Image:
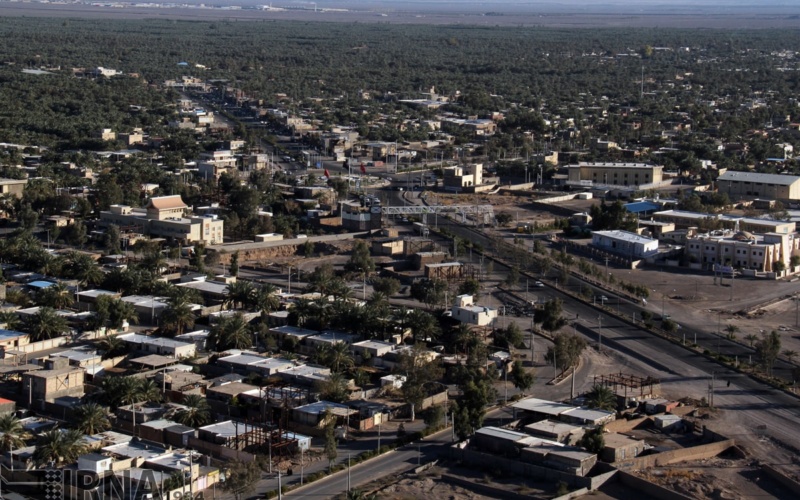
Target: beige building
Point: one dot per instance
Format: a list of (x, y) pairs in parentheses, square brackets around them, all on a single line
[(614, 174), (46, 385), (13, 186), (163, 217), (684, 220), (751, 184), (459, 178), (214, 164), (741, 250)]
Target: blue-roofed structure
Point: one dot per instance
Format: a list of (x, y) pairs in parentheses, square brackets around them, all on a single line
[(642, 207), (40, 284)]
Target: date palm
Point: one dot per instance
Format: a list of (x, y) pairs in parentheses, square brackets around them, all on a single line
[(267, 299), (197, 412), (10, 320), (92, 418), (177, 317), (13, 434), (112, 346), (242, 293), (59, 446), (83, 268), (601, 397), (231, 332), (57, 296), (45, 324)]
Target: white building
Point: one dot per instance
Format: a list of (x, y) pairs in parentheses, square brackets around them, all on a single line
[(625, 243), (466, 311)]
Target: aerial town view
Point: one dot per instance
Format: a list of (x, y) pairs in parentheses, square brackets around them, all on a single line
[(399, 250)]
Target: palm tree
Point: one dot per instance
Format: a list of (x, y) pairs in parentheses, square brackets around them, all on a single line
[(360, 495), (601, 397), (45, 324), (422, 324), (240, 292), (731, 331), (84, 268), (92, 418), (337, 356), (197, 412), (57, 296), (112, 346), (59, 446), (149, 390), (751, 338), (231, 332), (10, 320), (790, 355), (120, 312), (267, 299), (13, 434), (177, 317)]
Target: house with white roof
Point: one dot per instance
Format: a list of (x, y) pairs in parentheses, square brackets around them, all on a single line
[(466, 311)]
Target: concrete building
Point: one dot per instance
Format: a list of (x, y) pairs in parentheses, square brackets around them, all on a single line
[(358, 218), (466, 311), (159, 345), (47, 385), (555, 431), (684, 220), (625, 243), (614, 174), (753, 185), (213, 164), (13, 186), (163, 217), (742, 250), (620, 447), (460, 178)]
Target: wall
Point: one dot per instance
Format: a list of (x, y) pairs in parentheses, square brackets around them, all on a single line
[(257, 251), (518, 468), (785, 481), (43, 344), (652, 490), (675, 456), (218, 451), (484, 489), (623, 425)]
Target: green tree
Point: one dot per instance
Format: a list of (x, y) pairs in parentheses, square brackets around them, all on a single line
[(45, 324), (112, 240), (423, 325), (235, 264), (566, 350), (178, 317), (429, 292), (241, 478), (360, 259), (230, 332), (767, 349), (197, 412), (330, 439), (510, 336), (593, 440), (335, 388), (550, 315), (470, 286), (92, 418), (12, 433), (59, 447), (522, 378), (57, 296), (112, 346), (419, 369), (386, 286), (602, 398)]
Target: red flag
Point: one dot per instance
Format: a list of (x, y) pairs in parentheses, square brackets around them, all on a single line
[(327, 174), (363, 169)]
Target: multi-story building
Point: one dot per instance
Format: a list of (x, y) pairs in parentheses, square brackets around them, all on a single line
[(163, 217), (466, 311), (13, 186), (214, 164), (751, 184), (741, 250), (463, 178), (615, 174)]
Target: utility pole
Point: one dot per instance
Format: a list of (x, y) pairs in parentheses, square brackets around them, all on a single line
[(599, 337), (348, 472)]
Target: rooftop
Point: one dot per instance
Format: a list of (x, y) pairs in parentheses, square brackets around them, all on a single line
[(542, 406), (776, 179), (624, 235)]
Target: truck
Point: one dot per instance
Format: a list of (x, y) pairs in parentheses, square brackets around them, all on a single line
[(420, 228)]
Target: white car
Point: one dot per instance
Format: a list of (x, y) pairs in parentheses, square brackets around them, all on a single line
[(538, 284)]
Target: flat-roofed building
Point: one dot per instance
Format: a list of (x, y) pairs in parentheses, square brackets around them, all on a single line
[(684, 220), (614, 174), (754, 185), (47, 385), (160, 345), (13, 186), (466, 311), (742, 250), (625, 243)]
